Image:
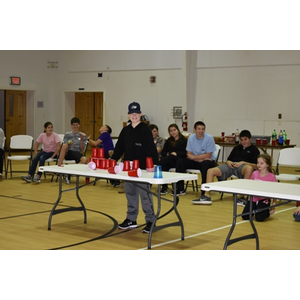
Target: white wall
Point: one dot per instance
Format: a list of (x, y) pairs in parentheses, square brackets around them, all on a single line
[(225, 89)]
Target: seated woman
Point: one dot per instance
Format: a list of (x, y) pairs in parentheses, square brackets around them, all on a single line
[(174, 149)]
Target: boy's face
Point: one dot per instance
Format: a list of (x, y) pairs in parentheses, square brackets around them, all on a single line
[(200, 130), (245, 141), (134, 118), (75, 127)]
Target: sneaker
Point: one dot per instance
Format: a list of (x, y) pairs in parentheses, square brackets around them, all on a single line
[(147, 227), (127, 224), (27, 178), (117, 184), (67, 179), (164, 191), (202, 200), (241, 202), (179, 193), (37, 178)]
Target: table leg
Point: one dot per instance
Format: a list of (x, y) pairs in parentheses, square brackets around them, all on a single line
[(157, 216), (55, 211), (249, 236)]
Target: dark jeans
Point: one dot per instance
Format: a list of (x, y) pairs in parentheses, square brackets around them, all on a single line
[(260, 216), (184, 163), (168, 162), (39, 158)]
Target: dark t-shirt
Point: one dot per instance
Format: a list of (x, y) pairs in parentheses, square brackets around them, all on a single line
[(248, 154)]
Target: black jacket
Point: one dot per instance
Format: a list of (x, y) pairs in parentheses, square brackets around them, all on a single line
[(136, 143)]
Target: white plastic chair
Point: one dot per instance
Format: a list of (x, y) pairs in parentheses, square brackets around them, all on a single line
[(19, 143), (288, 157), (196, 171), (3, 157)]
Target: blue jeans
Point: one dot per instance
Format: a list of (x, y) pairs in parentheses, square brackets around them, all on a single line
[(39, 158)]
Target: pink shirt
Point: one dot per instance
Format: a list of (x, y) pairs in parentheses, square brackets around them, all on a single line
[(49, 142), (256, 176)]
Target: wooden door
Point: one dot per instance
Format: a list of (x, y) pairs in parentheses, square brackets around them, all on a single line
[(88, 108), (15, 114)]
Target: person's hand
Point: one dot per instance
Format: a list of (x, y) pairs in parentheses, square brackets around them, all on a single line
[(297, 211), (88, 137)]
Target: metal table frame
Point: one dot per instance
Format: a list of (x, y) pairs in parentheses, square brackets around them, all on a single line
[(274, 190), (82, 170)]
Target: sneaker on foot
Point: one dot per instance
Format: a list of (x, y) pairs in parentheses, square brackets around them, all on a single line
[(37, 178), (202, 200), (127, 224), (67, 179), (179, 193), (27, 178), (241, 202), (164, 191), (147, 227), (117, 184)]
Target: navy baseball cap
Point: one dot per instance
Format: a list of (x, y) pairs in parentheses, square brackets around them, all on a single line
[(134, 107)]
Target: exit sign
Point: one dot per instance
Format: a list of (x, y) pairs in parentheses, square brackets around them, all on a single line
[(15, 80)]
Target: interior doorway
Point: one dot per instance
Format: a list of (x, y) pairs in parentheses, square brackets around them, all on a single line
[(89, 109), (15, 114)]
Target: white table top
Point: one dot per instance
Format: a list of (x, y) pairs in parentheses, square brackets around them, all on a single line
[(275, 190), (147, 177)]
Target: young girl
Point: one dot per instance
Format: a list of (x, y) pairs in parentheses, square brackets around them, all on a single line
[(263, 172), (51, 146)]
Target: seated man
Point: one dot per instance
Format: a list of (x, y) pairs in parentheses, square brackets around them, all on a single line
[(241, 162), (73, 146), (200, 155)]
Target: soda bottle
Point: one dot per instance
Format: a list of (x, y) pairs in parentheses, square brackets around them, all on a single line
[(237, 136), (280, 138), (284, 137), (274, 135)]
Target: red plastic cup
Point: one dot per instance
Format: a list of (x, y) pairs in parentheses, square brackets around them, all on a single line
[(112, 163), (101, 153), (264, 141), (102, 163), (98, 163), (95, 152), (135, 164), (257, 141), (114, 170), (287, 142), (273, 142), (87, 180), (149, 163), (107, 163), (126, 166), (135, 173), (223, 133)]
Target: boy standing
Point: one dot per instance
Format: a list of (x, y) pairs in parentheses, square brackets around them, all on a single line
[(136, 143)]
